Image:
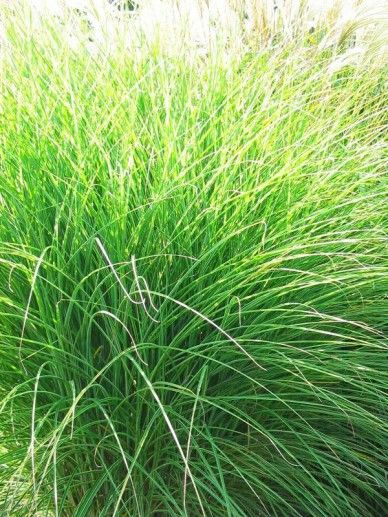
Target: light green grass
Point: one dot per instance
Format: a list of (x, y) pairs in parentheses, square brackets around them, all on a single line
[(193, 282)]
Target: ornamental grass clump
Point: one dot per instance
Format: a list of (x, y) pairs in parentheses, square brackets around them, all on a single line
[(193, 278)]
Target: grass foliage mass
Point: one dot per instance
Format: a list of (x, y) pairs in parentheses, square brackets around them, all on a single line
[(193, 279)]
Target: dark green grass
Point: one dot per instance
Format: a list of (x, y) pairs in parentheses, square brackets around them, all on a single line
[(193, 279)]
